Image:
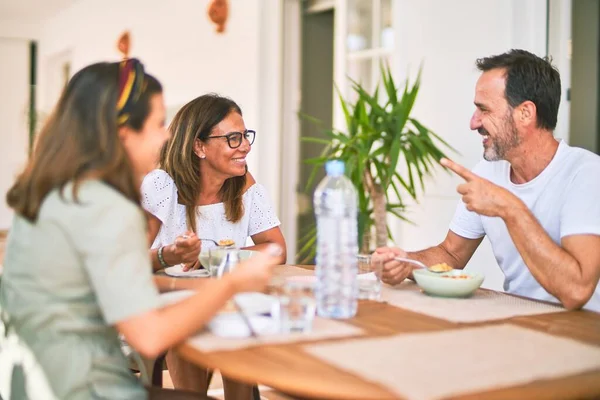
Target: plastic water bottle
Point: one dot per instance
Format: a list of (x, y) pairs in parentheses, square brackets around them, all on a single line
[(335, 202)]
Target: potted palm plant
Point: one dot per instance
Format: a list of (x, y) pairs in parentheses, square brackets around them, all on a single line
[(379, 136)]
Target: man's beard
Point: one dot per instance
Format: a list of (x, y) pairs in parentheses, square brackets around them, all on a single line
[(500, 145)]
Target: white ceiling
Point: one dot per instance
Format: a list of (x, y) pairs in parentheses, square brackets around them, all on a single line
[(31, 10)]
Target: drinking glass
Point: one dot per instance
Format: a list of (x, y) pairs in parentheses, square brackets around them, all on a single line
[(222, 260), (369, 276), (296, 306)]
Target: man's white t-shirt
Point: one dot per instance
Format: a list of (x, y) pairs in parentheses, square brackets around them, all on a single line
[(564, 198)]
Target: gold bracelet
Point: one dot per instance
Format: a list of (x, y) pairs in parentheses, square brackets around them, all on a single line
[(172, 286)]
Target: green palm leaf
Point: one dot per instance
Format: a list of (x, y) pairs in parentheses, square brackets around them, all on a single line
[(380, 136)]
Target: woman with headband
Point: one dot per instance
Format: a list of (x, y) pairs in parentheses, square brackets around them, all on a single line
[(76, 269)]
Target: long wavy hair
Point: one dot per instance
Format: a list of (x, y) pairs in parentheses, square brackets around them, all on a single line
[(81, 140), (195, 121)]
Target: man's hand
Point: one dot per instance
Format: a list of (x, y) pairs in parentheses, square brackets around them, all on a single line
[(480, 195), (393, 272)]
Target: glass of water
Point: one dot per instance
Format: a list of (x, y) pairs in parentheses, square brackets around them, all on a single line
[(296, 306), (222, 260), (369, 276)]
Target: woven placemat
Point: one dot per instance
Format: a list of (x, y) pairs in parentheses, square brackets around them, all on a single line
[(484, 305), (461, 361)]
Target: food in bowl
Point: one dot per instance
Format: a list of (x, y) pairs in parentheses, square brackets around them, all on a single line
[(226, 242), (441, 267)]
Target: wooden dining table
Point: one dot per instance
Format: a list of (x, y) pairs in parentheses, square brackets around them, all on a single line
[(289, 369)]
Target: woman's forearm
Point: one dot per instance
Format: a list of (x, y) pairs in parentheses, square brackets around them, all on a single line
[(156, 331), (169, 284)]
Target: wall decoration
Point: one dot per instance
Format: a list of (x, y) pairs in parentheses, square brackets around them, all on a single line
[(218, 12), (124, 44)]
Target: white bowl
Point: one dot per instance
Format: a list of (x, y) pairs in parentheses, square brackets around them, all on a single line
[(233, 326), (445, 285), (254, 303), (244, 255)]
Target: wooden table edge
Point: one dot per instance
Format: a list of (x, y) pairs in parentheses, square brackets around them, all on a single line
[(296, 388)]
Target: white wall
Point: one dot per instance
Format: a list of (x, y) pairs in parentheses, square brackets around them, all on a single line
[(14, 107), (12, 28), (447, 37), (179, 45)]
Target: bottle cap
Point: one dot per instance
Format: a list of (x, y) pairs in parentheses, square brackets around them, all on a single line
[(335, 168)]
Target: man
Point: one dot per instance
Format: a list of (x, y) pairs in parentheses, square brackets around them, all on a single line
[(537, 199)]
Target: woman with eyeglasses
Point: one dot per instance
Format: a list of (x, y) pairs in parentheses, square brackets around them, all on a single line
[(76, 270), (203, 190)]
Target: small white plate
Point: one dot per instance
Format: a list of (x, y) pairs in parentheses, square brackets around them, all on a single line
[(177, 270), (233, 326)]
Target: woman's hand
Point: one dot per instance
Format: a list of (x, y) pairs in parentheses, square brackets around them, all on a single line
[(185, 250), (254, 274)]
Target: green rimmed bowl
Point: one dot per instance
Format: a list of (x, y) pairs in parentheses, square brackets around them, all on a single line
[(448, 284)]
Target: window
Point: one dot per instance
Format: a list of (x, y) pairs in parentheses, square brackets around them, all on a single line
[(369, 40), (364, 38)]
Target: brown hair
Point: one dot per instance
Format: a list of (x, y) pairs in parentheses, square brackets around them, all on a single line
[(80, 139), (195, 121)]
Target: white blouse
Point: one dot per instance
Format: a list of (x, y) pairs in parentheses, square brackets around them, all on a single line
[(159, 197)]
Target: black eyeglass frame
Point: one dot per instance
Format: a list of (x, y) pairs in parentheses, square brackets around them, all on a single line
[(230, 135)]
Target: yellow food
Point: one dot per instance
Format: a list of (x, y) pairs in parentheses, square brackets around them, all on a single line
[(442, 267), (226, 242)]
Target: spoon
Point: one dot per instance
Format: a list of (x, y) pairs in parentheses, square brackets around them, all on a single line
[(419, 264), (208, 240)]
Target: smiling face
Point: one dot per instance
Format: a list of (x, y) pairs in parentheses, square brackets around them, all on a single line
[(217, 156), (493, 117)]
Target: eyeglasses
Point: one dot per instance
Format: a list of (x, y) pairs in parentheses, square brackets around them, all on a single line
[(234, 139)]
